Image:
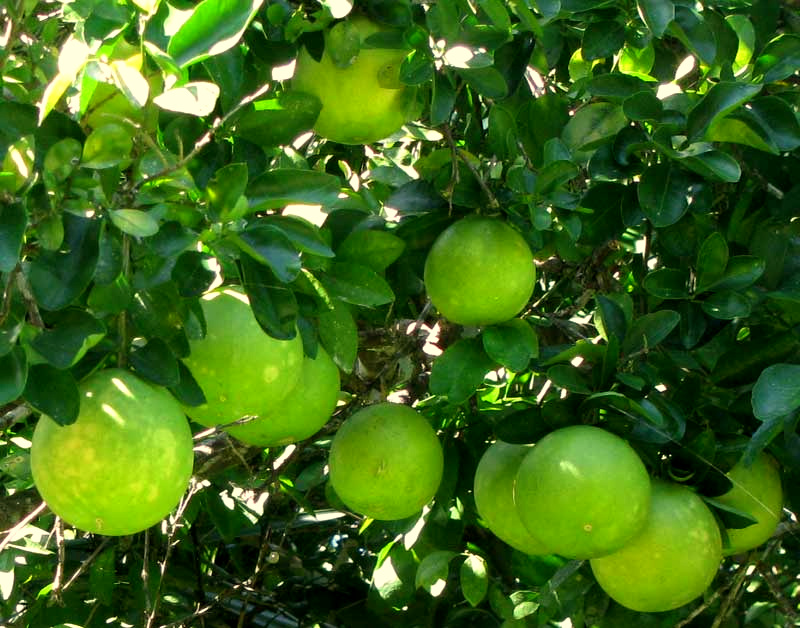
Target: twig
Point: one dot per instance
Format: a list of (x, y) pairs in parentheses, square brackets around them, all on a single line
[(11, 534), (5, 309), (58, 528), (775, 588), (30, 301), (15, 415), (85, 564), (145, 575)]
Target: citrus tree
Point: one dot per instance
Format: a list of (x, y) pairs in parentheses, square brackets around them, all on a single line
[(519, 280)]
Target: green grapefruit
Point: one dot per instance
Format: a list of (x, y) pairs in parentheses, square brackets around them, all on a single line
[(363, 102), (671, 561), (582, 491), (386, 461), (302, 413), (479, 271), (123, 465), (494, 496), (757, 491), (243, 371)]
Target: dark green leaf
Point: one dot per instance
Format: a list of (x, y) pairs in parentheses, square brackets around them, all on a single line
[(339, 335), (10, 329), (715, 165), (156, 362), (433, 569), (657, 14), (690, 28), (188, 392), (779, 59), (727, 305), (711, 261), (374, 249), (512, 344), (278, 121), (276, 188), (76, 332), (555, 174), (593, 124), (213, 27), (720, 100), (780, 121), (269, 245), (225, 188), (273, 303), (13, 375), (486, 81), (59, 277), (110, 298), (742, 271), (192, 273), (134, 222), (644, 105), (611, 318), (602, 39), (569, 378), (776, 392), (103, 577), (302, 234), (53, 392), (443, 99), (460, 370), (668, 283), (474, 579), (13, 220), (357, 284), (649, 330), (663, 194)]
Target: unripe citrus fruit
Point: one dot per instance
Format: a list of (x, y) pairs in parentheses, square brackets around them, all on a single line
[(363, 102), (757, 491), (386, 461), (479, 271), (242, 370), (123, 465), (494, 496), (582, 491), (671, 561), (302, 413)]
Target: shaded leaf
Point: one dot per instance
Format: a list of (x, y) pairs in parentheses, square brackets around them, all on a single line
[(720, 100), (663, 193), (513, 344), (76, 332), (776, 392), (357, 284), (13, 375), (13, 220), (276, 188), (460, 370), (474, 578), (156, 362), (53, 392), (339, 335), (649, 330)]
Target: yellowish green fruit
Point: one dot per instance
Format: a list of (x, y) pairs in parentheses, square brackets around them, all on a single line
[(757, 491), (123, 465), (479, 271), (242, 371), (302, 413), (363, 102), (494, 496), (386, 461), (582, 491), (671, 561)]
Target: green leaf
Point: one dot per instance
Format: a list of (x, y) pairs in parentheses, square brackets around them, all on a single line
[(727, 305), (741, 272), (278, 121), (460, 370), (156, 362), (602, 39), (433, 570), (13, 220), (610, 318), (649, 330), (53, 392), (663, 194), (668, 283), (13, 375), (486, 81), (59, 277), (593, 125), (192, 273), (719, 101), (357, 284), (644, 105), (715, 165), (569, 378), (777, 117), (196, 98), (742, 128), (656, 14), (108, 145), (103, 577), (225, 188), (110, 298), (273, 303), (270, 246), (779, 59), (339, 335), (374, 249), (513, 344), (188, 391), (555, 174), (776, 392), (474, 579), (711, 261), (442, 100), (691, 28), (214, 27), (74, 334), (277, 188), (302, 234), (134, 222)]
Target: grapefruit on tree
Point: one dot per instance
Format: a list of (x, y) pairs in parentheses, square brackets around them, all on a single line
[(125, 462), (479, 271), (242, 371), (671, 561), (494, 496), (362, 98), (386, 461), (582, 491)]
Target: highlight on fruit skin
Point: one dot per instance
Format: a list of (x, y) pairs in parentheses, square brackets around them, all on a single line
[(479, 271), (124, 463), (582, 491), (386, 461), (363, 101), (672, 560)]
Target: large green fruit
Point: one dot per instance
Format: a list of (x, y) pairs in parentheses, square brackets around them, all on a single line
[(671, 561), (386, 461), (123, 465), (582, 491), (756, 490), (304, 410), (479, 271), (363, 102), (242, 371), (494, 496)]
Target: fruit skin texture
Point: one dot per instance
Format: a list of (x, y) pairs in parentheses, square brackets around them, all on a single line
[(304, 410), (671, 561), (479, 271), (756, 490), (386, 461), (362, 103), (242, 370), (494, 496), (123, 465), (582, 491)]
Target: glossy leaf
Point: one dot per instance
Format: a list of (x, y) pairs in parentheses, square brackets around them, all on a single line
[(433, 570), (357, 284), (134, 222), (656, 14), (13, 375), (273, 303), (727, 305), (649, 330), (156, 362), (663, 193), (776, 392), (668, 283), (779, 59), (270, 246), (276, 188), (53, 392), (460, 370), (513, 344), (68, 341), (374, 249), (711, 261), (720, 100)]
